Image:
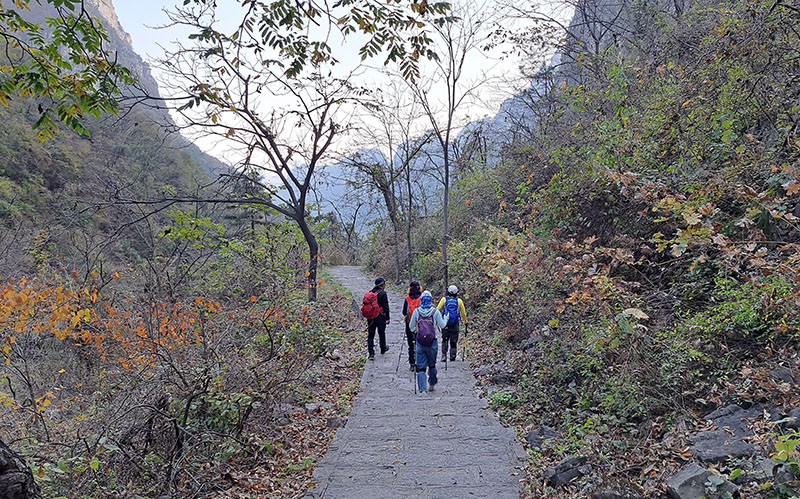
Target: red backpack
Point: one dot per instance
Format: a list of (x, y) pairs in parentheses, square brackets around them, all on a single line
[(369, 306), (413, 303)]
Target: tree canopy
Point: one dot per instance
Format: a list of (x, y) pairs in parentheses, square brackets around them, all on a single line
[(62, 63)]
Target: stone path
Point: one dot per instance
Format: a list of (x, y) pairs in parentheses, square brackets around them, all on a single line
[(398, 444)]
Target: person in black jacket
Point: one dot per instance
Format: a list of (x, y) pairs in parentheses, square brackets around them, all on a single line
[(379, 323), (411, 302)]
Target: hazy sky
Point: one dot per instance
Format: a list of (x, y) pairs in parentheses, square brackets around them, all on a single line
[(138, 17)]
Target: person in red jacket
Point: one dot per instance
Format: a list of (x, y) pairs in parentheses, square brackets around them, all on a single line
[(379, 323), (410, 304)]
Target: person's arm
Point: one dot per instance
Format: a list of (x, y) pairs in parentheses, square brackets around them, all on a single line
[(440, 306), (405, 307), (440, 320), (462, 311), (412, 325), (383, 301)]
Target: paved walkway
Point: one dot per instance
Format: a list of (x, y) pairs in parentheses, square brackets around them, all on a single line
[(444, 445)]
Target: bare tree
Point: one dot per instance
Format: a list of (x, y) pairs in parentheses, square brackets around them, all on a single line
[(459, 41), (269, 87), (387, 165)]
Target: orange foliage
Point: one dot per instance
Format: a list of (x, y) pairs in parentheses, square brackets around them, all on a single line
[(84, 318)]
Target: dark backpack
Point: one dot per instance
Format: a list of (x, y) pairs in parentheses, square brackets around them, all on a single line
[(451, 307), (369, 306), (413, 304), (425, 330)]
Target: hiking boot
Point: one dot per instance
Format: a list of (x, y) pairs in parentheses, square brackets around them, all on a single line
[(384, 350), (444, 358), (431, 388), (453, 358), (412, 368), (371, 356)]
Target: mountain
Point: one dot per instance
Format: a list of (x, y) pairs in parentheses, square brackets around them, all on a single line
[(60, 198)]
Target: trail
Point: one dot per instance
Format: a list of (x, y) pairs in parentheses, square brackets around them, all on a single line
[(398, 444)]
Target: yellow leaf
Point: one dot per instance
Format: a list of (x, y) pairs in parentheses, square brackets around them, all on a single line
[(691, 218)]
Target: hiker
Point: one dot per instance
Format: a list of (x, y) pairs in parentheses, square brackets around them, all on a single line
[(410, 304), (454, 306), (375, 308), (425, 321)]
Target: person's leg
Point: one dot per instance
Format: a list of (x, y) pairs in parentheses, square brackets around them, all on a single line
[(411, 342), (371, 338), (422, 364), (453, 342), (382, 334), (445, 341), (431, 359)]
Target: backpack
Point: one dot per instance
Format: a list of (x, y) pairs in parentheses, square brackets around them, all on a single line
[(451, 307), (369, 306), (425, 330), (412, 303)]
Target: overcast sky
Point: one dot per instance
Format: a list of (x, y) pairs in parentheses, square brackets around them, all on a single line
[(138, 17)]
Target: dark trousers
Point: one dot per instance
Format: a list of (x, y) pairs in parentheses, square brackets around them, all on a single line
[(379, 325), (411, 339), (449, 336)]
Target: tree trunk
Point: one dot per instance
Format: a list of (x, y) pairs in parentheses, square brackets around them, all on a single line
[(446, 235), (16, 479), (313, 258), (409, 254)]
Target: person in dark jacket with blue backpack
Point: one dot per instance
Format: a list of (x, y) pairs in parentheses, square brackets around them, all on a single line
[(454, 306)]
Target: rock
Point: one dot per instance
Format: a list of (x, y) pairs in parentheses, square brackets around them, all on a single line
[(567, 471), (541, 438), (335, 355), (696, 482), (334, 423), (776, 471), (718, 445), (16, 479), (530, 342), (613, 495), (312, 408), (793, 417), (482, 371), (784, 375), (727, 441), (502, 379)]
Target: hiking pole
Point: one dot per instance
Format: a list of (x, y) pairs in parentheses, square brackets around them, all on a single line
[(444, 357), (399, 356), (464, 348)]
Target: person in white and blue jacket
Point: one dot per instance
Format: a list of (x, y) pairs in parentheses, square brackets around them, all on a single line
[(426, 354)]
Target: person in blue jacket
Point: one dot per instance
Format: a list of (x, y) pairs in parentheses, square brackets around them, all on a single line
[(426, 354)]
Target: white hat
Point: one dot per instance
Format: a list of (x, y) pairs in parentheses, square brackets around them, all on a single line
[(452, 290), (427, 293)]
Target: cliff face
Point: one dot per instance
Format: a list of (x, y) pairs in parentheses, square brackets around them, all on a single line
[(105, 8)]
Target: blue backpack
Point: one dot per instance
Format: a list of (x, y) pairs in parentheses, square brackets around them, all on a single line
[(425, 330), (451, 307)]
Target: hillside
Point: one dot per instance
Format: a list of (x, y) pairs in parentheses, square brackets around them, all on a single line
[(628, 250), (634, 263), (61, 190)]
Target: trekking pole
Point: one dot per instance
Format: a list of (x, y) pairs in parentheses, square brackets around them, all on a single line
[(444, 357), (399, 356), (464, 348)]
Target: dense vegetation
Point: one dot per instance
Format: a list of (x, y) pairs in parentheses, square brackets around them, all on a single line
[(630, 264), (152, 349), (634, 262)]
